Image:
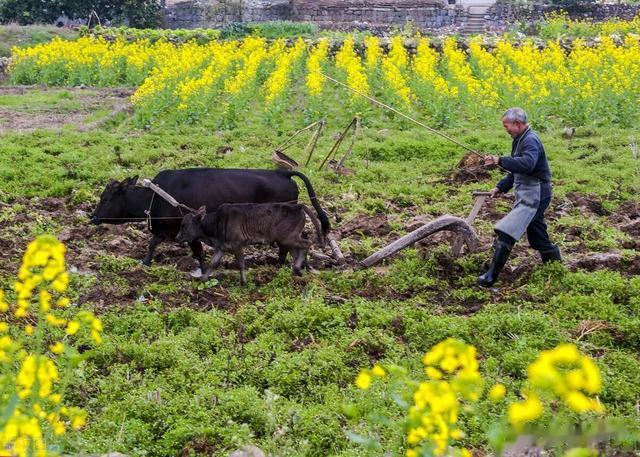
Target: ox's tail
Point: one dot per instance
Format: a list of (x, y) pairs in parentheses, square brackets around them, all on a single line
[(316, 224), (324, 220)]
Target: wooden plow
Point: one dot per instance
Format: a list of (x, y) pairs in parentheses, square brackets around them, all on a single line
[(465, 235), (446, 222)]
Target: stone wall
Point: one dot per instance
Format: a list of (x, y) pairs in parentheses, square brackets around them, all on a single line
[(191, 14), (424, 14), (505, 12), (374, 14)]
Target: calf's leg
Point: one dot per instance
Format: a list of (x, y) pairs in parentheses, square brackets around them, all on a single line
[(215, 261), (198, 253), (240, 261), (282, 254)]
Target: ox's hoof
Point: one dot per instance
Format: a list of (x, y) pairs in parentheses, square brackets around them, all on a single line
[(197, 273)]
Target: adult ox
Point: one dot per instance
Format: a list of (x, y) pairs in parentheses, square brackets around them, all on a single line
[(123, 201), (233, 226)]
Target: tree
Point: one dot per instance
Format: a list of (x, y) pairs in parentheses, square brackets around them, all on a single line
[(136, 13)]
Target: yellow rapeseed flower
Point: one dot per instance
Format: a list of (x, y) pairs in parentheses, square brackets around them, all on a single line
[(497, 392), (521, 413), (57, 348), (73, 327), (363, 381), (378, 371)]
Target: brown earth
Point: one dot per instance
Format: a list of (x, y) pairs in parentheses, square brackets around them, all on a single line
[(87, 244), (13, 119), (469, 169)]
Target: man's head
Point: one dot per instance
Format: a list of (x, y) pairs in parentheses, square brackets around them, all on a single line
[(515, 121)]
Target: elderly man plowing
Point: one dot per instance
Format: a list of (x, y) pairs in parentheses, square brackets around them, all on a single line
[(529, 173)]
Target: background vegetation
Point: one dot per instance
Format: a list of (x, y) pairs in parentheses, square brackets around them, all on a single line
[(136, 13)]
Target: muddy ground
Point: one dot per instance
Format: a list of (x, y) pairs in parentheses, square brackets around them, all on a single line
[(130, 282)]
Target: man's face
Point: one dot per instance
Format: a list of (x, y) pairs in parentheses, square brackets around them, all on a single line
[(514, 128)]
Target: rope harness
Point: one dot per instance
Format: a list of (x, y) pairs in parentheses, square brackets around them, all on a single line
[(148, 212)]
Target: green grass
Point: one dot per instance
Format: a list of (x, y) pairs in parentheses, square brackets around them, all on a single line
[(209, 369), (24, 36), (58, 100)]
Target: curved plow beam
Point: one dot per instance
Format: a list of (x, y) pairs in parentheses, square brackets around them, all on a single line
[(446, 222)]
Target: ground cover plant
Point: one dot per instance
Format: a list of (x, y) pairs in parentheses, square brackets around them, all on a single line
[(204, 368)]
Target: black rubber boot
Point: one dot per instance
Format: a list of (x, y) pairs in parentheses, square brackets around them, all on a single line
[(500, 256), (551, 255)]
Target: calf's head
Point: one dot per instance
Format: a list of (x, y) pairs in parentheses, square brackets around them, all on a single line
[(113, 205), (191, 226)]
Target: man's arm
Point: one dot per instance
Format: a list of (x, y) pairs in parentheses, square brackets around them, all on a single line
[(505, 184), (524, 163)]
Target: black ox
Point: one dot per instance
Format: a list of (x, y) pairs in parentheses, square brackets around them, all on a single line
[(123, 201)]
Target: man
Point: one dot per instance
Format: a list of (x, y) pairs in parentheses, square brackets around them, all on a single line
[(529, 173)]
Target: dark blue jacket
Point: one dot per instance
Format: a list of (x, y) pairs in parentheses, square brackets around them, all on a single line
[(529, 158)]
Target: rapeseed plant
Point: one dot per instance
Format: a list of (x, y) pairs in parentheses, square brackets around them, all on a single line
[(315, 81), (453, 382), (348, 61), (599, 81), (31, 396)]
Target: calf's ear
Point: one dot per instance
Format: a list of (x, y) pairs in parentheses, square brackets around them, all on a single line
[(202, 211)]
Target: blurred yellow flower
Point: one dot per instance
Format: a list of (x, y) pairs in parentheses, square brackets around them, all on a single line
[(497, 392)]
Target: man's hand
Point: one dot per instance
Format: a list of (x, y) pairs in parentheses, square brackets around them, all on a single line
[(495, 192), (490, 161)]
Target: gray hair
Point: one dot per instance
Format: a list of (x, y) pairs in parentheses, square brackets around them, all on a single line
[(515, 115)]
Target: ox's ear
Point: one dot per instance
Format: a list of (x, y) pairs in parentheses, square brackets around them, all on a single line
[(130, 182), (202, 211)]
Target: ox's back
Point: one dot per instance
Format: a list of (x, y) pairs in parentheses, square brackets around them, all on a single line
[(211, 187)]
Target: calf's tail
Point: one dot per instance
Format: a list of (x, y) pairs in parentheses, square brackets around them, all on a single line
[(316, 224), (324, 220)]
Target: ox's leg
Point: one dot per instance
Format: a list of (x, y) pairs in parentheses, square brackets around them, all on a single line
[(240, 261), (155, 241), (215, 261), (198, 254)]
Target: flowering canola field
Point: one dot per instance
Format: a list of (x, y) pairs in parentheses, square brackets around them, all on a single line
[(224, 78)]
